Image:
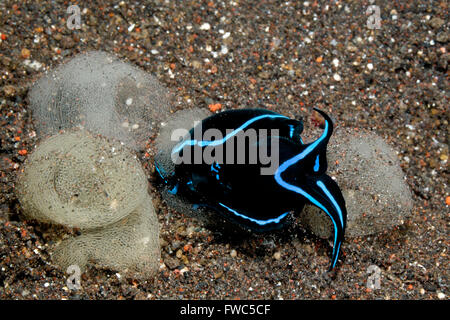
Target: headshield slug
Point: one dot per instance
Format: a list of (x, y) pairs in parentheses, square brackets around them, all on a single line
[(252, 167)]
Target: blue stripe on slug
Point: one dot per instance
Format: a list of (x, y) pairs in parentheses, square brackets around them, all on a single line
[(214, 143), (159, 172), (296, 189), (300, 191), (338, 209), (257, 221), (317, 164), (291, 130), (174, 190)]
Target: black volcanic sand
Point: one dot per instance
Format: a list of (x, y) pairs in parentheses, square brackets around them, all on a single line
[(278, 55)]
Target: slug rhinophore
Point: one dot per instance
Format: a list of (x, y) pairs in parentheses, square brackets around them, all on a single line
[(252, 167)]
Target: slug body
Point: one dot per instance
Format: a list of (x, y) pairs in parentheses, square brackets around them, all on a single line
[(220, 164)]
